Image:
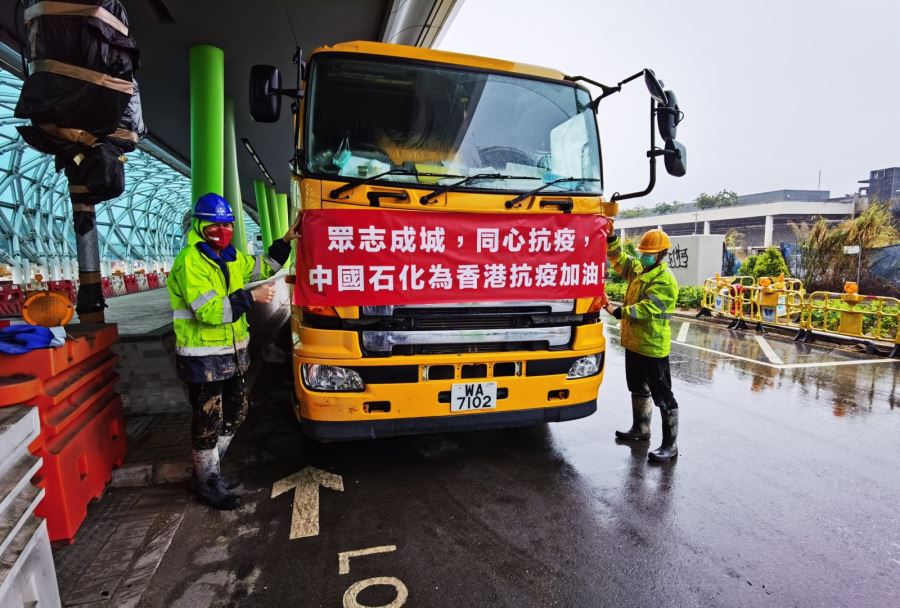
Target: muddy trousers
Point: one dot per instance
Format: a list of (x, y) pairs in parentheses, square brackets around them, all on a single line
[(219, 408), (650, 377)]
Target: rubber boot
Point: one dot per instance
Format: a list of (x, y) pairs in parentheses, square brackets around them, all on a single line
[(669, 449), (208, 484), (230, 483), (641, 411)]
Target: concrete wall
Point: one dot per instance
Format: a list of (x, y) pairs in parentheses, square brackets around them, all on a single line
[(693, 259)]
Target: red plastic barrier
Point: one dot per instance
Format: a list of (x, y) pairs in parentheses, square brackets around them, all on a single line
[(106, 286), (11, 299), (66, 287), (78, 464), (153, 280), (118, 285), (131, 284)]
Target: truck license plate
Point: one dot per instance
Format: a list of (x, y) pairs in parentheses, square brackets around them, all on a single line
[(473, 396)]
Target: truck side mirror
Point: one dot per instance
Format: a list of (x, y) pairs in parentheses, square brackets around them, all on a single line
[(265, 93), (676, 158), (654, 86), (668, 115)]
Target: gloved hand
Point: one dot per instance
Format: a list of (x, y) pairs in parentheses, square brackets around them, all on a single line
[(610, 238), (617, 313)]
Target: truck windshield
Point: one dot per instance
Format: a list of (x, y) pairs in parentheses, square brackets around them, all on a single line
[(370, 116)]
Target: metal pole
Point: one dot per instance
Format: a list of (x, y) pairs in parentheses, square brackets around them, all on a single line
[(282, 200), (262, 207), (274, 218), (207, 64), (232, 180), (89, 303)]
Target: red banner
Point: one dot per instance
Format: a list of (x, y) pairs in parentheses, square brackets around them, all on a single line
[(370, 258)]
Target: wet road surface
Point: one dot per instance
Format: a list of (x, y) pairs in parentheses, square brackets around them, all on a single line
[(785, 493)]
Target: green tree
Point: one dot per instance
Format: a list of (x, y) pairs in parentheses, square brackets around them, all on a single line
[(664, 208), (631, 213), (705, 201), (825, 266), (748, 266), (726, 198), (769, 263), (723, 198)]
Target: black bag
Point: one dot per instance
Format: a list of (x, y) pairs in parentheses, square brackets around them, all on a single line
[(82, 67), (97, 174)]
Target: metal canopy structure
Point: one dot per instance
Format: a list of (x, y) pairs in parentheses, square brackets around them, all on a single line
[(146, 223)]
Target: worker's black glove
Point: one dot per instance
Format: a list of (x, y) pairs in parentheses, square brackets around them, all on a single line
[(611, 238), (617, 313)]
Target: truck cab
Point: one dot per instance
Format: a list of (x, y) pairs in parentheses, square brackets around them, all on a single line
[(411, 130)]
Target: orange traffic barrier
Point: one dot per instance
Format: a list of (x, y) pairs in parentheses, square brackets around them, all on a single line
[(78, 464), (82, 436)]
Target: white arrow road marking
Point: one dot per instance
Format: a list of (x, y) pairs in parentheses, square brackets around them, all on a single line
[(682, 333), (771, 355), (305, 483)]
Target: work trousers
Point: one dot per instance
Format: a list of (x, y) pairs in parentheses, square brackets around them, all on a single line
[(219, 408), (650, 377)]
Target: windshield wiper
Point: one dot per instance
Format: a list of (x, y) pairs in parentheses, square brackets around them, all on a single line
[(425, 200), (513, 202), (412, 172)]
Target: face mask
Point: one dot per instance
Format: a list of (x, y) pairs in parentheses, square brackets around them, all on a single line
[(219, 236), (647, 259)]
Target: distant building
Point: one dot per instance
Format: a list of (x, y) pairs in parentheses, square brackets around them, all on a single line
[(764, 218), (883, 185)]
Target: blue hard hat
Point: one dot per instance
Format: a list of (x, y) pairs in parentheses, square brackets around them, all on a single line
[(213, 208)]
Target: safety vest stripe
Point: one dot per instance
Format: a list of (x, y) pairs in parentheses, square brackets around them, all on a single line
[(257, 262), (275, 266), (206, 351), (182, 314), (632, 312), (227, 313), (203, 299), (664, 315), (629, 262), (657, 301)]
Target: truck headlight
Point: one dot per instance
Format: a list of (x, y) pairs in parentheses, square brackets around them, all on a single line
[(586, 366), (331, 378)]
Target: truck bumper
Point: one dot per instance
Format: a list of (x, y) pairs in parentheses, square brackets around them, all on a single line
[(326, 431)]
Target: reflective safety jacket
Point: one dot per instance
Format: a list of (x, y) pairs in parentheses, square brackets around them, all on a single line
[(208, 309), (649, 303)]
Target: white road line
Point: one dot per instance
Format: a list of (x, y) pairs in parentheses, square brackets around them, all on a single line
[(836, 363), (771, 355), (344, 556), (730, 356), (782, 365), (682, 333)]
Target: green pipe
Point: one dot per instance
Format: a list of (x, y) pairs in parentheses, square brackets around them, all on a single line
[(207, 65), (232, 179), (262, 207), (282, 213), (274, 219)]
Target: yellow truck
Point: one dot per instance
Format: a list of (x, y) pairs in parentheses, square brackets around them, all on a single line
[(404, 128)]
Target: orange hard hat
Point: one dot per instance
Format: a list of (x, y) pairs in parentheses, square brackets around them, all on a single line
[(654, 241)]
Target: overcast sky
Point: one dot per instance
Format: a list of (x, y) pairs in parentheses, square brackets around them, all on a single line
[(773, 90)]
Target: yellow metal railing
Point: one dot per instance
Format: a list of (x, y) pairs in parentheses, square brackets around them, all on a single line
[(783, 302)]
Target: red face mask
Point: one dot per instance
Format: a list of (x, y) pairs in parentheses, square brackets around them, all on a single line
[(219, 236)]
